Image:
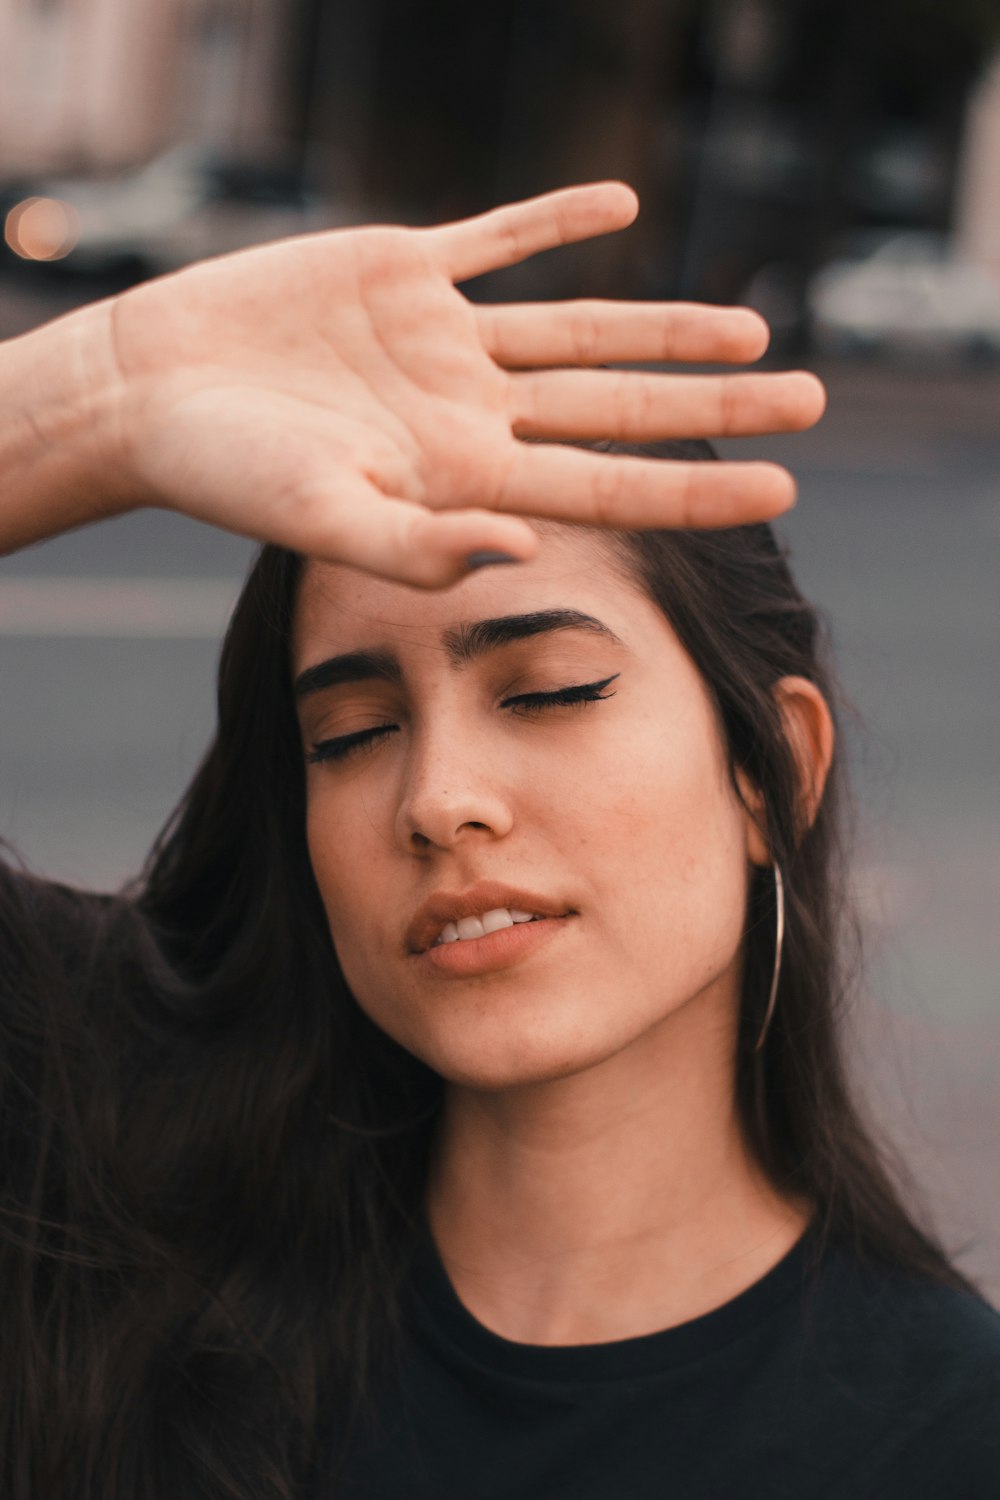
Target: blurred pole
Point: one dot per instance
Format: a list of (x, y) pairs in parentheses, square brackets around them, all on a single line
[(977, 219), (35, 61), (740, 37), (335, 114), (261, 125), (582, 101), (846, 107), (120, 96)]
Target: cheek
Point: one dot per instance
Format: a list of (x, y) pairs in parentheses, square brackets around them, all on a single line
[(341, 854), (356, 869), (667, 834)]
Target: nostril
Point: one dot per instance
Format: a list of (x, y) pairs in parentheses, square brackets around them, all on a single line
[(423, 840)]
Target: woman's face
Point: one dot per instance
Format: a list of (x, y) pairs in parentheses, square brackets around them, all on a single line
[(444, 781)]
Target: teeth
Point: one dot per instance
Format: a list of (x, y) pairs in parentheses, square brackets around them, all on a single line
[(477, 927), (493, 921)]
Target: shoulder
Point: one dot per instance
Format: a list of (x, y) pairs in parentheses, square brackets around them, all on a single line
[(919, 1321), (917, 1366)]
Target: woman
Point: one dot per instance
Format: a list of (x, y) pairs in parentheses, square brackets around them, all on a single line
[(455, 1105)]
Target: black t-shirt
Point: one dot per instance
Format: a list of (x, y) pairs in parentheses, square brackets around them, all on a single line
[(851, 1384)]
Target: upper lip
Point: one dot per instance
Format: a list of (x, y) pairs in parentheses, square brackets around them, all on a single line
[(446, 906)]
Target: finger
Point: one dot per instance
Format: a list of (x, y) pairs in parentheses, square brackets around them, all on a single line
[(570, 484), (510, 234), (398, 540), (593, 332), (640, 408)]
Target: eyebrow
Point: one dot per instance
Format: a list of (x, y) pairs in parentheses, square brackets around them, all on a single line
[(463, 643)]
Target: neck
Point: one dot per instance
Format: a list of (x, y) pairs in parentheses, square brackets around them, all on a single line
[(611, 1203)]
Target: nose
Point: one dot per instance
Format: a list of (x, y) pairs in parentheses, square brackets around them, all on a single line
[(453, 792)]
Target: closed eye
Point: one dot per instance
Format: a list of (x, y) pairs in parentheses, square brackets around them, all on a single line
[(348, 744), (345, 745), (583, 692)]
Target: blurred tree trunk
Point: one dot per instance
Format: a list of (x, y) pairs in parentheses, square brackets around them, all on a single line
[(585, 101), (430, 112)]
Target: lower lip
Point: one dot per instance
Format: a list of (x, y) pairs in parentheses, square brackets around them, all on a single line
[(495, 950)]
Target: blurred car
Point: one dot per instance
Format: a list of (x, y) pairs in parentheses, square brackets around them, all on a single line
[(182, 206), (908, 290)]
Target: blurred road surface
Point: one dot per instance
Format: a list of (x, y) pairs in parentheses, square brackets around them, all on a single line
[(107, 705)]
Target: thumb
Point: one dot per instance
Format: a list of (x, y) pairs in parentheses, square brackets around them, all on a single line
[(407, 543)]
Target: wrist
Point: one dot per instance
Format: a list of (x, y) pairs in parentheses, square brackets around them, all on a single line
[(61, 448)]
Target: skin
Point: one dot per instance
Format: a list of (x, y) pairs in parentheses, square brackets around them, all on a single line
[(590, 1181), (338, 394)]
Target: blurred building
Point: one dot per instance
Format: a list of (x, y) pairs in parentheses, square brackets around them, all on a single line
[(104, 83), (759, 133)]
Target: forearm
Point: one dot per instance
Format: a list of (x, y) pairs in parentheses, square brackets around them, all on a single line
[(58, 389)]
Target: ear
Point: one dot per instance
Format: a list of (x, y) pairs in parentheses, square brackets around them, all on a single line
[(808, 726)]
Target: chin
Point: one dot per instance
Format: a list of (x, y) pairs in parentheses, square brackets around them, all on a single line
[(507, 1056)]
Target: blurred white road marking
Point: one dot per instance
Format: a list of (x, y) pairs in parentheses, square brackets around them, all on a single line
[(147, 608)]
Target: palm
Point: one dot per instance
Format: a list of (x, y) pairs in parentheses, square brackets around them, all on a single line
[(338, 395)]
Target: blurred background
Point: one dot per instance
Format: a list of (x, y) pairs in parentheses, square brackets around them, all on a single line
[(835, 163)]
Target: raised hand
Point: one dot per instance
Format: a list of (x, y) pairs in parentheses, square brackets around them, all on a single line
[(337, 394)]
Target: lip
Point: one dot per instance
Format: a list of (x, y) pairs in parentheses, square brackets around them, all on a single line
[(486, 895), (494, 951)]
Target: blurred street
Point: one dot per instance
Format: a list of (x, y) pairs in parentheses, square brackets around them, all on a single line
[(897, 537), (107, 705)]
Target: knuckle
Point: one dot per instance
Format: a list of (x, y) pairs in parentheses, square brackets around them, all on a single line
[(622, 407), (502, 480), (676, 334), (492, 334), (689, 494), (408, 550), (315, 514), (729, 405), (635, 407), (524, 403), (606, 493), (509, 235), (586, 336), (645, 407)]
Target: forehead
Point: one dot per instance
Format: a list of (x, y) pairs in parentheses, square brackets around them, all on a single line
[(341, 608)]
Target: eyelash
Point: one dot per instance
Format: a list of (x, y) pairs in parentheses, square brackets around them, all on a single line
[(575, 695)]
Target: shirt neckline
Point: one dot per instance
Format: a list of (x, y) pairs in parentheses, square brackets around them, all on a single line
[(441, 1313)]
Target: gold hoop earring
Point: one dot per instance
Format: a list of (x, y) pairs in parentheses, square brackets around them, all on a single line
[(779, 942)]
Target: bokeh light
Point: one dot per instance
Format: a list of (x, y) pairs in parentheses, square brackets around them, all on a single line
[(42, 229)]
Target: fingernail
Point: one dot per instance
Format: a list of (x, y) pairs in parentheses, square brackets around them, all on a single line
[(488, 559)]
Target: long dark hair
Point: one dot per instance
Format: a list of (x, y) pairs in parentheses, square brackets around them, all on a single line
[(214, 1164)]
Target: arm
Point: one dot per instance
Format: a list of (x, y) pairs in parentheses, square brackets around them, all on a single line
[(336, 394), (57, 398)]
